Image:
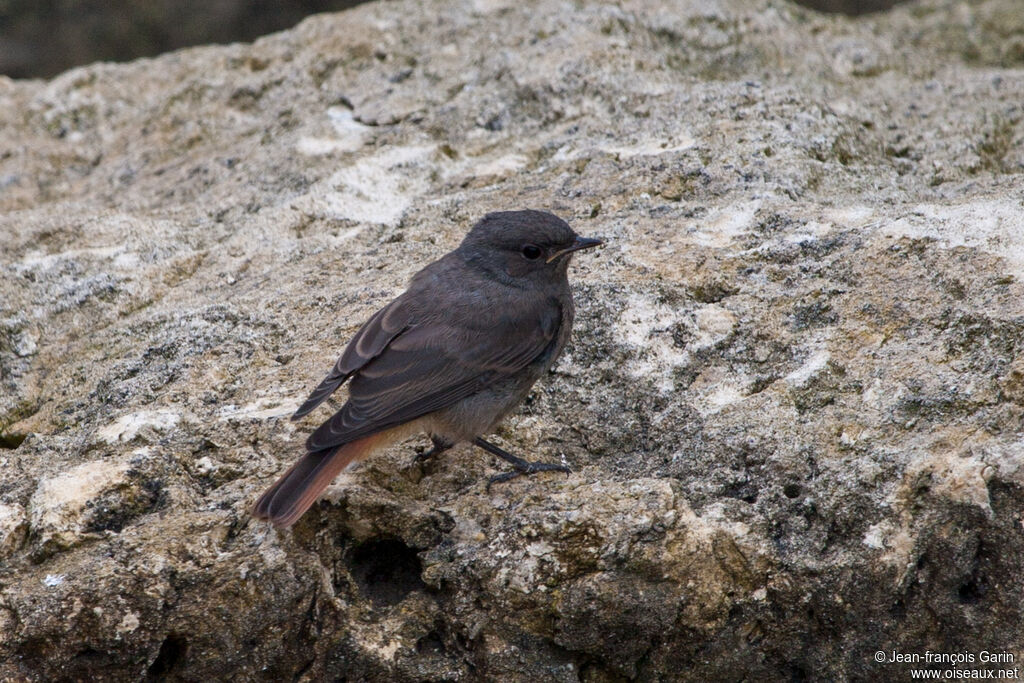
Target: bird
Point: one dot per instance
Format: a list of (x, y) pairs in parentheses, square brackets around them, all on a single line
[(452, 356)]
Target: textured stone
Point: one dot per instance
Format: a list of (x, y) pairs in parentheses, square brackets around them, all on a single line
[(792, 405), (13, 527)]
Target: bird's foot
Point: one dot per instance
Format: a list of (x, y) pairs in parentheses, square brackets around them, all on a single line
[(522, 467), (440, 446), (531, 468), (422, 455)]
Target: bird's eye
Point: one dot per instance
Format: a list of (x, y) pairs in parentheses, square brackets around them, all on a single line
[(531, 252)]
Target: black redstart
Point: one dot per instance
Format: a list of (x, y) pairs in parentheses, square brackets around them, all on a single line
[(452, 356)]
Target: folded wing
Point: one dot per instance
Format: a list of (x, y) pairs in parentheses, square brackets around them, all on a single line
[(371, 339), (429, 366)]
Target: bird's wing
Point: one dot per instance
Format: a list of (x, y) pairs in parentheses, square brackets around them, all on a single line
[(371, 339), (434, 365)]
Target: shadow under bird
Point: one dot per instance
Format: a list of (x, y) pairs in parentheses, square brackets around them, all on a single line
[(452, 356)]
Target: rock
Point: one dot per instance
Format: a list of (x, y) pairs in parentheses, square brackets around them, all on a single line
[(127, 427), (97, 496), (13, 527), (792, 403)]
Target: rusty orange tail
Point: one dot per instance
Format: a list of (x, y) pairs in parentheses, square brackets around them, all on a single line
[(298, 488)]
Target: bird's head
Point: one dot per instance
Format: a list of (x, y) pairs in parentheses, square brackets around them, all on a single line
[(523, 245)]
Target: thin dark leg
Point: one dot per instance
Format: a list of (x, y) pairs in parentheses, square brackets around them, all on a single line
[(521, 466), (440, 446)]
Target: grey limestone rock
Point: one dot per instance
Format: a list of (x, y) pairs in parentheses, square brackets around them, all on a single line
[(793, 402)]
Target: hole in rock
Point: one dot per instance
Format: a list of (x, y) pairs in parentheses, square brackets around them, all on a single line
[(971, 592), (172, 652), (386, 570), (89, 656), (11, 440), (430, 644)]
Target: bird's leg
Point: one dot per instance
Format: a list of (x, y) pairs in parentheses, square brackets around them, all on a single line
[(440, 446), (521, 466)]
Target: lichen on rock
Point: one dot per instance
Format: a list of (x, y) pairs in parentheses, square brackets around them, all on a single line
[(792, 404)]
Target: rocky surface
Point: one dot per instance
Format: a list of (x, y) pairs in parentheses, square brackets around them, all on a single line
[(793, 403)]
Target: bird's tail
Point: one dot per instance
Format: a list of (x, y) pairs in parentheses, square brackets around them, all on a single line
[(298, 488)]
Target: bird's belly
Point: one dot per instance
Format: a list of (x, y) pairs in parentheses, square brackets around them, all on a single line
[(480, 413)]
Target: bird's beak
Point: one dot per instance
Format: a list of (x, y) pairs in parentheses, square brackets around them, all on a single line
[(580, 243)]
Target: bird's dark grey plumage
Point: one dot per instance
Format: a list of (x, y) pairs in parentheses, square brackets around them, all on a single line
[(452, 356)]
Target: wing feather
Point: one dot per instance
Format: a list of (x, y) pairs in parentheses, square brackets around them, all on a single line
[(371, 339), (431, 366)]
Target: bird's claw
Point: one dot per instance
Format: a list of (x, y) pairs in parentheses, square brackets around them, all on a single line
[(527, 469)]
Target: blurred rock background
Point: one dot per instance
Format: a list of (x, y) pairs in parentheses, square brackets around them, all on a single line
[(793, 403), (41, 39)]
